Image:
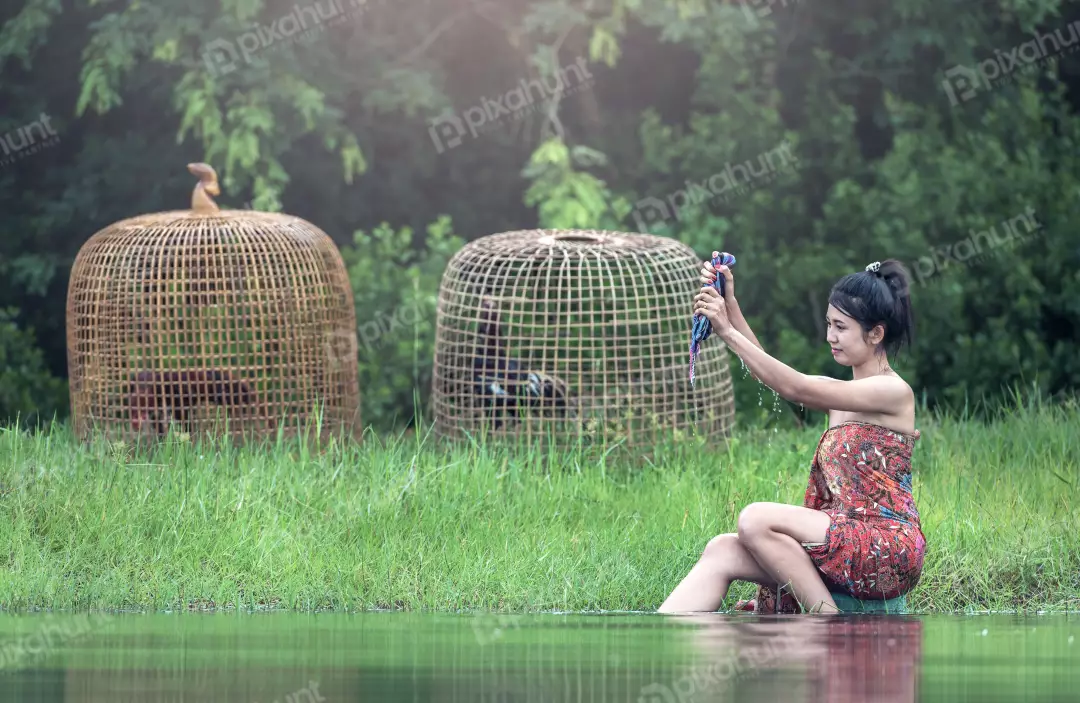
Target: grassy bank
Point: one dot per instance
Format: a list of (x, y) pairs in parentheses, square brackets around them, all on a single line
[(402, 524)]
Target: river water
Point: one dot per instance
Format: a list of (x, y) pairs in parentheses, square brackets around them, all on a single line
[(632, 658)]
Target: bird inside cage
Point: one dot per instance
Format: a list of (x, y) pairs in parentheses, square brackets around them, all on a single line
[(505, 386), (161, 398)]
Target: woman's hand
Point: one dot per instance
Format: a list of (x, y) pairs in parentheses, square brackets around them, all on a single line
[(710, 304), (708, 277)]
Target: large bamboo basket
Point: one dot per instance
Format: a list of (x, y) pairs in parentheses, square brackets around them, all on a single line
[(601, 321), (253, 308)]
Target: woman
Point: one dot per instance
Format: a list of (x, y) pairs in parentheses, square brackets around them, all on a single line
[(858, 530)]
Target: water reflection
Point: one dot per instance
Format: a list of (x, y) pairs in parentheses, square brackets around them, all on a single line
[(792, 658), (632, 659), (832, 660)]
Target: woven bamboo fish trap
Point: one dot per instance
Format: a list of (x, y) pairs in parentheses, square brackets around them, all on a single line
[(575, 334), (233, 322)]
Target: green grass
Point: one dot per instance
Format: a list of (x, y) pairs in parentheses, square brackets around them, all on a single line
[(402, 523)]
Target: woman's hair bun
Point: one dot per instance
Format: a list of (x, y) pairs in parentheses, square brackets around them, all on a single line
[(896, 275)]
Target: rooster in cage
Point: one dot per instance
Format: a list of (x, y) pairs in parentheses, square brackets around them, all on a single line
[(504, 385)]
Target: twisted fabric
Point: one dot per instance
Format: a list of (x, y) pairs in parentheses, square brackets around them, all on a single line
[(700, 325)]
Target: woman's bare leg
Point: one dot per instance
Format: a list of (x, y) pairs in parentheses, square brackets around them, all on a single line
[(704, 588), (773, 533)]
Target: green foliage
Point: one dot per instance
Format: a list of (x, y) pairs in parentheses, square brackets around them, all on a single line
[(27, 390), (567, 198), (395, 281), (336, 128), (25, 32)]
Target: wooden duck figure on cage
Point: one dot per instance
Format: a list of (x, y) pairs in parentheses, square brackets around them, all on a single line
[(207, 186)]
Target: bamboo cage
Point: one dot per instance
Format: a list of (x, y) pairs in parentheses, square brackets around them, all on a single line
[(575, 334), (233, 322)]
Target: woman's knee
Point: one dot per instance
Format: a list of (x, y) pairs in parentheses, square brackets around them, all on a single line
[(720, 546), (753, 524)]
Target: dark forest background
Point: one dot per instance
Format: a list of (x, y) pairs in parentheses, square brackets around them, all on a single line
[(899, 149)]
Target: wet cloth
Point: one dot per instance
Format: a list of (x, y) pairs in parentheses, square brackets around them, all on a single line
[(861, 477), (700, 327)]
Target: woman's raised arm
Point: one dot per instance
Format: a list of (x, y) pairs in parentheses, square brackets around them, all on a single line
[(876, 394)]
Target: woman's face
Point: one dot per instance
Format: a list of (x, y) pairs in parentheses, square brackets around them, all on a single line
[(845, 337)]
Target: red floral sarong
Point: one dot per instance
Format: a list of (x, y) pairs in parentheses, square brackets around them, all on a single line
[(861, 477)]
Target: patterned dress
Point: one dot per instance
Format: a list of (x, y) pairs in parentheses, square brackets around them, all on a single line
[(861, 477)]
